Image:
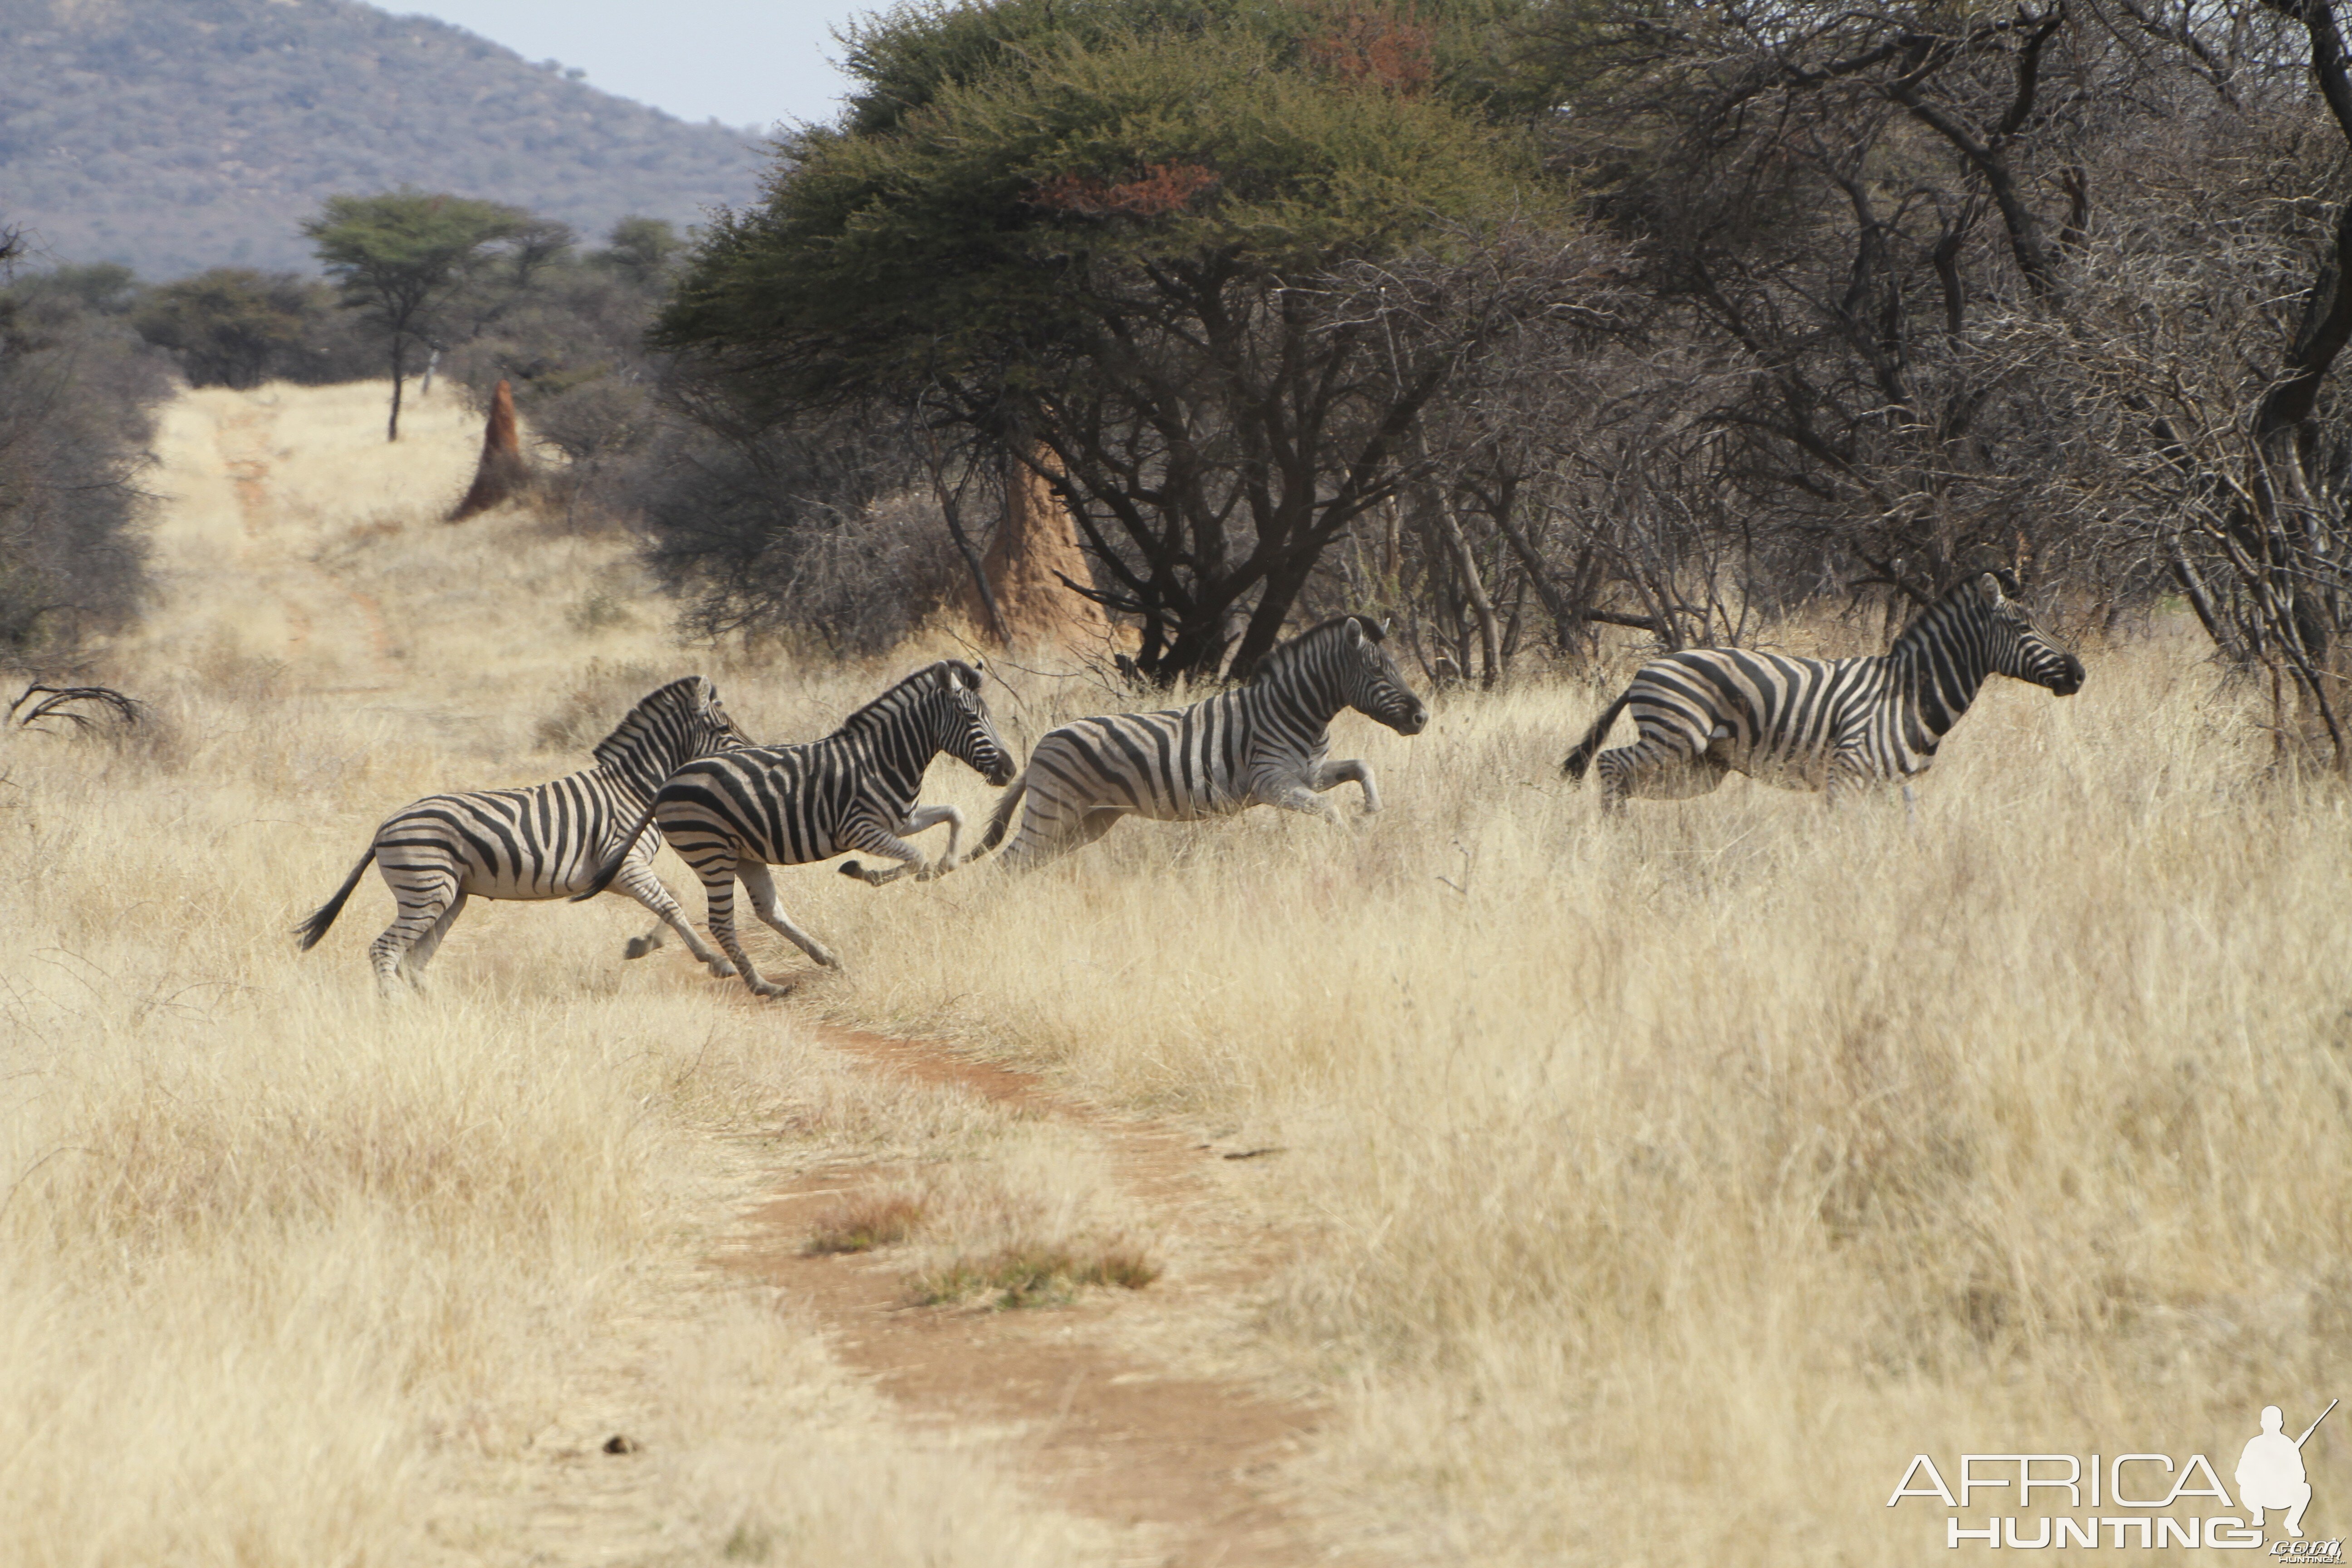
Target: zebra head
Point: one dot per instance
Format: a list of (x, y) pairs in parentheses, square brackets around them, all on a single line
[(1369, 681), (965, 729), (2012, 644), (711, 728)]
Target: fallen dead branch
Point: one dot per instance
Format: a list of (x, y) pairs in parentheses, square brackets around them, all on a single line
[(57, 703)]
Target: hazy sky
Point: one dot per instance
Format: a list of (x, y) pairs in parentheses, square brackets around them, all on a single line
[(743, 62)]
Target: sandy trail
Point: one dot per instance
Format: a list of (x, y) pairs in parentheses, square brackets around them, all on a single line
[(1097, 1421), (255, 483)]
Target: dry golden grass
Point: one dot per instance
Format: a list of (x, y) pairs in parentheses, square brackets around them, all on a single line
[(1725, 1157), (1669, 1181), (288, 1277)]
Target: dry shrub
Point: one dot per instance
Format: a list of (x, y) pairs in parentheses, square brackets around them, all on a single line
[(1033, 1276), (863, 1223)]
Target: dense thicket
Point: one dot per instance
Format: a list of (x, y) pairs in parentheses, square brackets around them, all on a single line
[(175, 135), (1519, 318), (76, 387), (1511, 319)]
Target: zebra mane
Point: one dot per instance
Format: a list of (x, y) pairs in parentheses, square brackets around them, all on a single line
[(682, 696), (1954, 603), (1283, 656), (945, 672)]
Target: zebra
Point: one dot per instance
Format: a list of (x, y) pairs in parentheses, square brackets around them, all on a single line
[(1263, 743), (1827, 724), (539, 842), (735, 815)]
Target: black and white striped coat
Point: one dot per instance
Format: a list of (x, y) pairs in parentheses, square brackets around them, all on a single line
[(1827, 724), (735, 815), (1267, 743), (544, 841)]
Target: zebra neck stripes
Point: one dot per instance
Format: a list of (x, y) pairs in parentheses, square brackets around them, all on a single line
[(1938, 665), (670, 727)]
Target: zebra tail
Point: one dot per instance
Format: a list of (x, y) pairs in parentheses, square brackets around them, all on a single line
[(311, 930), (1581, 758), (612, 868), (1001, 818)]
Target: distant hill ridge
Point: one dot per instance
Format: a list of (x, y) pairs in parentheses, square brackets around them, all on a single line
[(175, 135)]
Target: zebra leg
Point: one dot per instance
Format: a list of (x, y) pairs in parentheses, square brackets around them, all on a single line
[(1028, 851), (909, 858), (1331, 776), (1654, 768), (429, 944), (421, 906), (1051, 828), (924, 818), (1849, 772), (760, 883), (1303, 800), (719, 913), (637, 880)]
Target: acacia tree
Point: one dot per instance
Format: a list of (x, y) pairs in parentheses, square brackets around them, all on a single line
[(1137, 238), (402, 256)]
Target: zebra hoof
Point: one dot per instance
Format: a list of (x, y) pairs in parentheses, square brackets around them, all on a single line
[(854, 869), (637, 948), (722, 971)]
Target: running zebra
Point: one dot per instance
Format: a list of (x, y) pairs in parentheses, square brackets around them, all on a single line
[(739, 813), (1827, 724), (540, 842), (1264, 743)]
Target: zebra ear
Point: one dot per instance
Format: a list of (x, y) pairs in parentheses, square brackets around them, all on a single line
[(1356, 630), (1989, 587)]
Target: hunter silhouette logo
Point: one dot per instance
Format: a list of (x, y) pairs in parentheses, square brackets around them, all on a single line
[(2270, 1472), (2121, 1501)]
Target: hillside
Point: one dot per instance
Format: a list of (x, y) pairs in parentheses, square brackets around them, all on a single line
[(175, 135)]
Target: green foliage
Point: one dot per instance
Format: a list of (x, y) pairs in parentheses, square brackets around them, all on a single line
[(198, 133), (401, 255), (98, 288), (1215, 258), (642, 250), (975, 231), (906, 58), (235, 327), (408, 243)]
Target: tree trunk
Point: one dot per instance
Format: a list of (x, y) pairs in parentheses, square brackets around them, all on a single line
[(399, 373), (1482, 608)]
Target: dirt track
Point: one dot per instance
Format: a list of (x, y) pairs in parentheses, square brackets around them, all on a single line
[(1102, 1429)]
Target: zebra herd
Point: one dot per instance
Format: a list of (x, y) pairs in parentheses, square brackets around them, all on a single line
[(677, 767)]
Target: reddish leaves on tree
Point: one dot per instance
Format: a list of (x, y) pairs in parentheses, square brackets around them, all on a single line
[(1375, 45), (1163, 188)]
